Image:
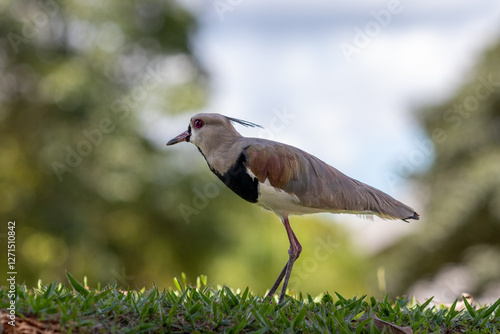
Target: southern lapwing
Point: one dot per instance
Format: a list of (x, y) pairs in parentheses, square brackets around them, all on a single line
[(283, 179)]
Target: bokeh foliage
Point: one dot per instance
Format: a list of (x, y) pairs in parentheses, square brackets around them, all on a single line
[(461, 225), (93, 195), (77, 176)]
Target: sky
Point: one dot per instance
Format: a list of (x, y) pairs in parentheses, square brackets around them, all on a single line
[(342, 80)]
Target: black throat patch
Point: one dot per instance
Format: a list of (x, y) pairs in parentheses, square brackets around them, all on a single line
[(238, 180)]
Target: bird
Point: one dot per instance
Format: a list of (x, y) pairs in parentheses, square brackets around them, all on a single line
[(283, 179)]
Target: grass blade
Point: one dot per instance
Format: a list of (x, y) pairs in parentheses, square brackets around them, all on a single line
[(299, 317), (50, 290), (77, 286), (469, 307), (424, 305), (178, 284), (491, 309)]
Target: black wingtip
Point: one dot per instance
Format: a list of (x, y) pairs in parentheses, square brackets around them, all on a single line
[(415, 216)]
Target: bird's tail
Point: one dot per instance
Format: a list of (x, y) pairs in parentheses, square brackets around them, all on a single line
[(385, 206)]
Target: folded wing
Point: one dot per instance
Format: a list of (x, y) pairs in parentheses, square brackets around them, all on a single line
[(319, 185)]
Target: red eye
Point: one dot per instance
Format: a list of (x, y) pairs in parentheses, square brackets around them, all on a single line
[(198, 123)]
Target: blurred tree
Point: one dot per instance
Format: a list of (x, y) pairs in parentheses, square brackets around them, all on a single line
[(461, 223), (86, 188)]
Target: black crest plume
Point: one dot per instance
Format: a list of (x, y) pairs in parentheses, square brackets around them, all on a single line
[(244, 123)]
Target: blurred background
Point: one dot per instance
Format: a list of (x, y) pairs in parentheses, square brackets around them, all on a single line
[(404, 96)]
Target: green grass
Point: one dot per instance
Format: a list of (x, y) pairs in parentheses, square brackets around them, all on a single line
[(203, 308)]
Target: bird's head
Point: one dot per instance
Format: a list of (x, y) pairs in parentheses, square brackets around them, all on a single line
[(208, 129)]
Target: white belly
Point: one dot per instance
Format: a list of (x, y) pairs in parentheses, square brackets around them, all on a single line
[(281, 202)]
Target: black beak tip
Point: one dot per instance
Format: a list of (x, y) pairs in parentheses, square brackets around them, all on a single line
[(180, 138)]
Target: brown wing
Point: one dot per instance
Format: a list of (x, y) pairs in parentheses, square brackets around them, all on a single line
[(317, 184)]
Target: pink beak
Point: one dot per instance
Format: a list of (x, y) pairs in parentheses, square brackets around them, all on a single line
[(180, 138)]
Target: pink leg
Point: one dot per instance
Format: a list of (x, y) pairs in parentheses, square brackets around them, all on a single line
[(293, 253)]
